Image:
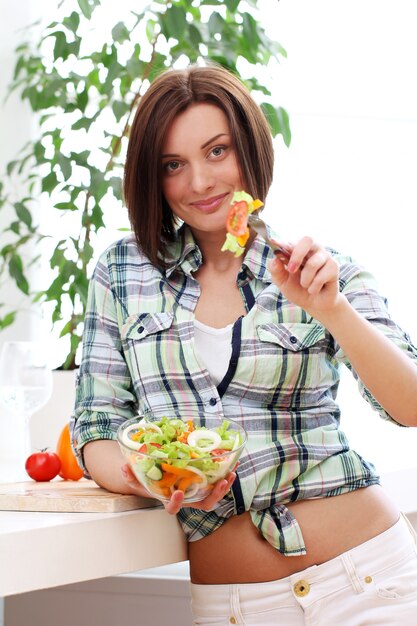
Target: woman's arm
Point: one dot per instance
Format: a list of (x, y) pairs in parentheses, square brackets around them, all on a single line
[(104, 461), (107, 467), (311, 280), (387, 372)]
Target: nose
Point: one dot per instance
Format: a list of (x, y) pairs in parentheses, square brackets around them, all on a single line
[(201, 178)]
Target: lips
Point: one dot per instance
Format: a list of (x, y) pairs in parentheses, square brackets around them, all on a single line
[(208, 205)]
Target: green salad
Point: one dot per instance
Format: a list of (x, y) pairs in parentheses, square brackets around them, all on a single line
[(171, 454)]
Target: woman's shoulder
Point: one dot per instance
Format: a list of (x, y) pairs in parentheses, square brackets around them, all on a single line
[(123, 262), (121, 249)]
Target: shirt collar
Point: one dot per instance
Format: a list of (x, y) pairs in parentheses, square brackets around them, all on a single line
[(183, 253)]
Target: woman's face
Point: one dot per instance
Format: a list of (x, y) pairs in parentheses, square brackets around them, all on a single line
[(200, 171)]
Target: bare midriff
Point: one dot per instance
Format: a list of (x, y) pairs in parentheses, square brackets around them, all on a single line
[(238, 553)]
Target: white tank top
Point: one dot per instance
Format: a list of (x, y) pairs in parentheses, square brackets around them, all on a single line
[(213, 348)]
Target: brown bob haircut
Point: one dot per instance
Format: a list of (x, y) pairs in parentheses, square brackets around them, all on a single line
[(171, 93)]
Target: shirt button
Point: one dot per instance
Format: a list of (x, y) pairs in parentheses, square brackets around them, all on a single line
[(141, 329), (301, 588), (240, 510), (293, 339), (212, 401)]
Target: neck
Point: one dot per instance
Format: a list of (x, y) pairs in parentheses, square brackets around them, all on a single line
[(211, 244)]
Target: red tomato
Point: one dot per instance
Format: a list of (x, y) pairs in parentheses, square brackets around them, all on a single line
[(218, 451), (43, 465), (237, 219), (144, 447)]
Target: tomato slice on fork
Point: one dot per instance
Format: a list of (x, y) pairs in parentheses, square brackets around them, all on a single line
[(237, 219)]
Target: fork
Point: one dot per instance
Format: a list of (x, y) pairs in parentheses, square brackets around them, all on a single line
[(282, 250)]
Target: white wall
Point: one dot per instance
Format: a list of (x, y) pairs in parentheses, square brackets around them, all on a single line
[(349, 177), (15, 130)]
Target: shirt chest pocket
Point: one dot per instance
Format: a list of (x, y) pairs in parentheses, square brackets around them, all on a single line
[(293, 358), (148, 339)]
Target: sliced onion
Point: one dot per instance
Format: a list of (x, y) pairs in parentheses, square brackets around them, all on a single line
[(128, 442), (203, 483), (195, 436), (193, 489), (143, 423), (190, 491)]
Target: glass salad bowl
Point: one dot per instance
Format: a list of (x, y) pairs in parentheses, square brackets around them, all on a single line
[(188, 453)]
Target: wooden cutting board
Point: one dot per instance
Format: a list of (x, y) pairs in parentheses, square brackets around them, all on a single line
[(83, 496)]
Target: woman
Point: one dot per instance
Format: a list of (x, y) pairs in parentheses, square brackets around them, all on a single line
[(302, 532)]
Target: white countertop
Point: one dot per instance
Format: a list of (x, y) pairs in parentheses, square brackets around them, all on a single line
[(42, 550)]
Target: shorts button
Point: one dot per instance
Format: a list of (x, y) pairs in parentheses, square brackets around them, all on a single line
[(368, 579), (301, 588), (232, 620)]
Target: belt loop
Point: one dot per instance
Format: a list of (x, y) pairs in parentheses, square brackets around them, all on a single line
[(410, 527), (351, 572)]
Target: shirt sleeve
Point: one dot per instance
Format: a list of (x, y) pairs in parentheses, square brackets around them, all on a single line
[(360, 288), (104, 392)]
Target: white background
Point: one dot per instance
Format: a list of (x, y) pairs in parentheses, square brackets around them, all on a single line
[(348, 179)]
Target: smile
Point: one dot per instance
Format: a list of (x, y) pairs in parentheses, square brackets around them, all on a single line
[(209, 204)]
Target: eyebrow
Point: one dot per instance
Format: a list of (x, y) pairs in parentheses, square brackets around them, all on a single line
[(204, 145)]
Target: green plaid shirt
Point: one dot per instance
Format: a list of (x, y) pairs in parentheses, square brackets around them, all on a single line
[(281, 385)]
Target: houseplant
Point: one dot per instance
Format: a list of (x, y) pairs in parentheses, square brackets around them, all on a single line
[(84, 90)]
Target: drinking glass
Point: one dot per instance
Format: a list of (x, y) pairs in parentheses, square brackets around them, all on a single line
[(25, 386)]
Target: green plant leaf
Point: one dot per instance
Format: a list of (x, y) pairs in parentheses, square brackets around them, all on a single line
[(195, 35), (215, 24), (65, 206), (120, 33), (120, 108), (10, 167), (232, 5), (58, 257), (278, 120), (83, 122), (60, 48), (87, 7), (23, 214), (97, 217), (65, 165), (82, 100), (16, 272), (72, 22), (174, 22), (116, 186), (8, 319), (49, 183), (159, 64)]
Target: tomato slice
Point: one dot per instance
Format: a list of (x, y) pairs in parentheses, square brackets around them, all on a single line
[(237, 219), (144, 447), (218, 452)]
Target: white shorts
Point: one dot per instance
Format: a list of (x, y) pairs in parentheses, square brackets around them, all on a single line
[(372, 584)]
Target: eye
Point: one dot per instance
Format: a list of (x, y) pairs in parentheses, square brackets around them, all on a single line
[(171, 166), (218, 151)]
